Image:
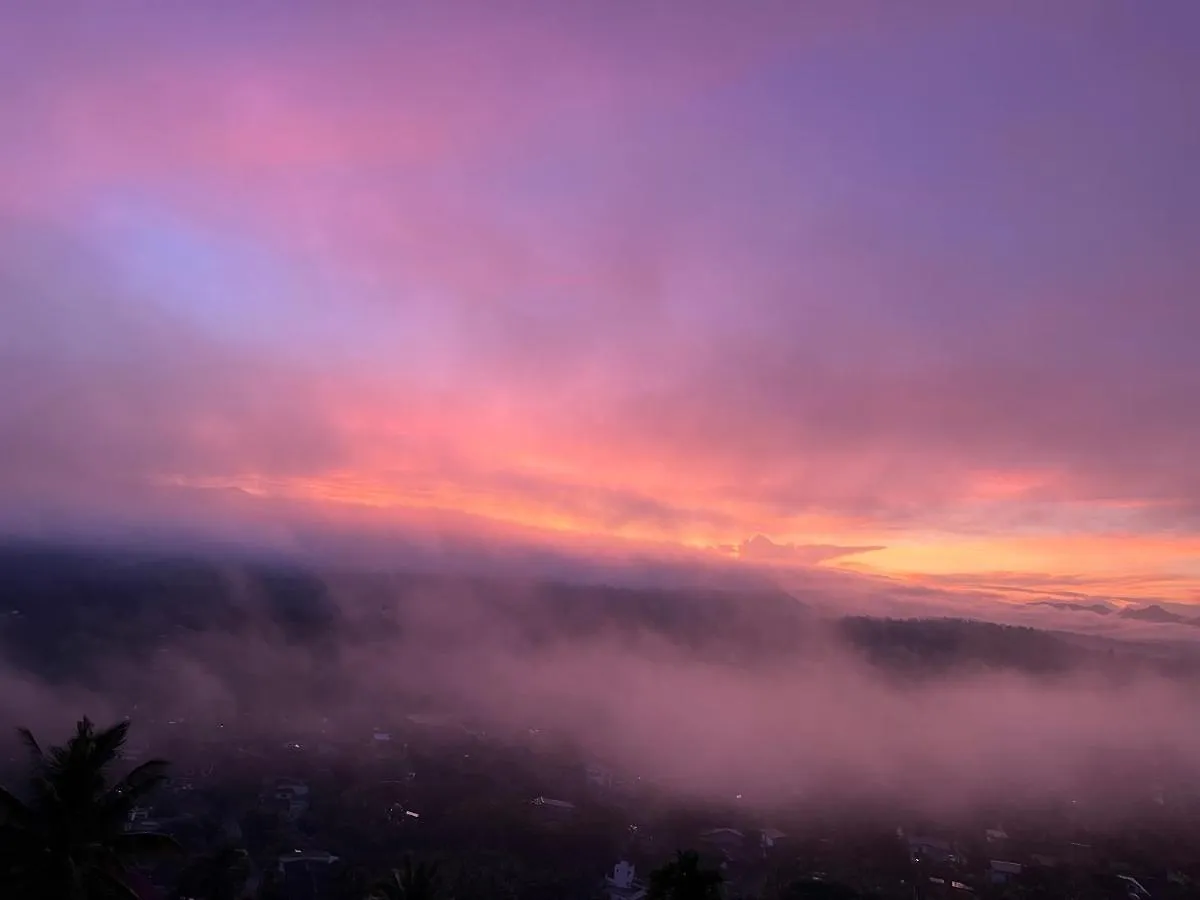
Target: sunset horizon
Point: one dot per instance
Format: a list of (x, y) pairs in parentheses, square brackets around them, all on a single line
[(902, 291)]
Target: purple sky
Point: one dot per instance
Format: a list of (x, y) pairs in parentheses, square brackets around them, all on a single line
[(917, 276)]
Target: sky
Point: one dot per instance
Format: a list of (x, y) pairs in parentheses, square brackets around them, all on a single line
[(908, 290)]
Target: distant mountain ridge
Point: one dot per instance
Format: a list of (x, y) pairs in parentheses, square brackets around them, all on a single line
[(1152, 613), (66, 615), (1155, 613)]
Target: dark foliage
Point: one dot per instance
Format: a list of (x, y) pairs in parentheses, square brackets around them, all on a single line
[(684, 878), (66, 839)]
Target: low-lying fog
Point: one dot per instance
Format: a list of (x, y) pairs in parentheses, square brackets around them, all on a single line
[(706, 696)]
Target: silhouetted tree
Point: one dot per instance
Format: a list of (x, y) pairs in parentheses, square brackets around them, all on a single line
[(818, 890), (350, 882), (270, 885), (487, 876), (684, 879), (67, 837), (412, 881)]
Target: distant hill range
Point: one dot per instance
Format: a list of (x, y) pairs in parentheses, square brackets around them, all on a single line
[(1098, 608), (1151, 613), (64, 612), (1155, 613)]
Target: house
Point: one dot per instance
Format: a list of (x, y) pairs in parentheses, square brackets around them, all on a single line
[(139, 814), (306, 876), (563, 805), (141, 819), (398, 814), (291, 797), (729, 841), (939, 888), (623, 883), (925, 849), (1002, 872), (769, 837), (552, 813)]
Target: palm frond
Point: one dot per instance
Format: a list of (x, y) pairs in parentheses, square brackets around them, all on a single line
[(107, 744), (143, 778), (383, 890), (73, 756), (394, 883), (116, 886), (31, 745), (132, 789), (390, 887)]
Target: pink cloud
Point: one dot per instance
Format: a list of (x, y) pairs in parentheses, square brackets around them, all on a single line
[(630, 271)]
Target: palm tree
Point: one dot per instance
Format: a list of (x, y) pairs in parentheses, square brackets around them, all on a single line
[(409, 882), (68, 840), (486, 876), (683, 879)]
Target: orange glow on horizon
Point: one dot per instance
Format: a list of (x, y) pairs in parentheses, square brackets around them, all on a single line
[(1116, 565)]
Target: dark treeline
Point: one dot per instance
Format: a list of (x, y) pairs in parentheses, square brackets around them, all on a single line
[(64, 613), (73, 827), (70, 831)]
